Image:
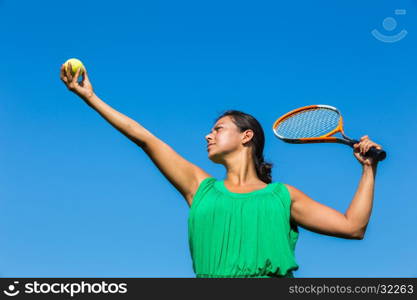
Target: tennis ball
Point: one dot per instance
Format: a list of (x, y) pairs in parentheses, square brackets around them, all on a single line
[(75, 64)]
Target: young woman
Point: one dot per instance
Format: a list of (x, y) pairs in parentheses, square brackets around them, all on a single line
[(245, 225)]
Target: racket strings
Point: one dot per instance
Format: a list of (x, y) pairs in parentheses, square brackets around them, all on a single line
[(309, 123)]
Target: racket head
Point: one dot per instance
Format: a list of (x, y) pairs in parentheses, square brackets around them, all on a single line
[(311, 124), (316, 124)]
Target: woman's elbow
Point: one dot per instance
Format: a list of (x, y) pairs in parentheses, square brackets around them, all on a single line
[(358, 234)]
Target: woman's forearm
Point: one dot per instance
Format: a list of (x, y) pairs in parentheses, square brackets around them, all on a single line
[(360, 208), (129, 127)]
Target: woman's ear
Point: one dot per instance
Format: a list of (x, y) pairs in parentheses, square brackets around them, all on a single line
[(247, 136)]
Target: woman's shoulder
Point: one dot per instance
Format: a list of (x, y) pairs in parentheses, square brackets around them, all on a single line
[(293, 192), (204, 184), (280, 184), (282, 189), (206, 181)]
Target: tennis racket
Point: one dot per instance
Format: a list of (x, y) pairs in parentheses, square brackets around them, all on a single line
[(317, 124)]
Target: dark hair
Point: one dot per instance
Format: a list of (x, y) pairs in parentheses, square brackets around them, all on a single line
[(244, 122)]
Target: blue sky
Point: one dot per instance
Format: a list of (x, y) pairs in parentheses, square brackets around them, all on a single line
[(78, 199)]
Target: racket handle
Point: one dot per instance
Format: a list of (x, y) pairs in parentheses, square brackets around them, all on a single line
[(376, 154), (373, 152)]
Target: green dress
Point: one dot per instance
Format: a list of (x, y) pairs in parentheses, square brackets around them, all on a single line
[(241, 234)]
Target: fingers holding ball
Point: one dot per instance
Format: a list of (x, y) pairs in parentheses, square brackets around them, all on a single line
[(72, 67)]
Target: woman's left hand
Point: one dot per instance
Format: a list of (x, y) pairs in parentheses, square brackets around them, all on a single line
[(361, 148)]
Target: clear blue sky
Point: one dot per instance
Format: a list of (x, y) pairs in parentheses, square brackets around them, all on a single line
[(78, 199)]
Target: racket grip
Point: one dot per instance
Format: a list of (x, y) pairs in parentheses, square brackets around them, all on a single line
[(377, 154), (373, 152)]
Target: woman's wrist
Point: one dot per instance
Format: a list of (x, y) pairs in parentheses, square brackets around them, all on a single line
[(88, 96), (369, 168)]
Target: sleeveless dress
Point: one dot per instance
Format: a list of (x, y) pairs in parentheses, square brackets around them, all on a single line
[(241, 235)]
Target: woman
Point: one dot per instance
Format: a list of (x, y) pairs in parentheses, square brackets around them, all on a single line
[(245, 225)]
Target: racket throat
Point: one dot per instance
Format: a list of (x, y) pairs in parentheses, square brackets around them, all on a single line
[(348, 141)]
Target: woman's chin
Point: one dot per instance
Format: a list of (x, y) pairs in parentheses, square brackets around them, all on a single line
[(215, 158)]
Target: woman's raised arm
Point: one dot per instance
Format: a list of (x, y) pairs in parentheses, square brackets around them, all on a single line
[(185, 176), (320, 218)]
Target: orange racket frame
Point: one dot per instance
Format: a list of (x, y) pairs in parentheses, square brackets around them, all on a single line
[(326, 138)]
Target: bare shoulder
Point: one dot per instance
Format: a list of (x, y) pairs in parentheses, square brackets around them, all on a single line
[(295, 193), (290, 189)]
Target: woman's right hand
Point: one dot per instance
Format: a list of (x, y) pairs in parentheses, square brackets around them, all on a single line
[(84, 89)]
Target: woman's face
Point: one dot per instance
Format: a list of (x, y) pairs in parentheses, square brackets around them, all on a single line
[(224, 138)]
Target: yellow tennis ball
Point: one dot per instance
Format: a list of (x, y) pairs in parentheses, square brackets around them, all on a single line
[(75, 64)]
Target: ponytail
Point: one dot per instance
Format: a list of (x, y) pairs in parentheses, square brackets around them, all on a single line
[(263, 169)]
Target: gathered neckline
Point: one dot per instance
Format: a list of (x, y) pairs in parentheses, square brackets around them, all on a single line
[(260, 191)]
